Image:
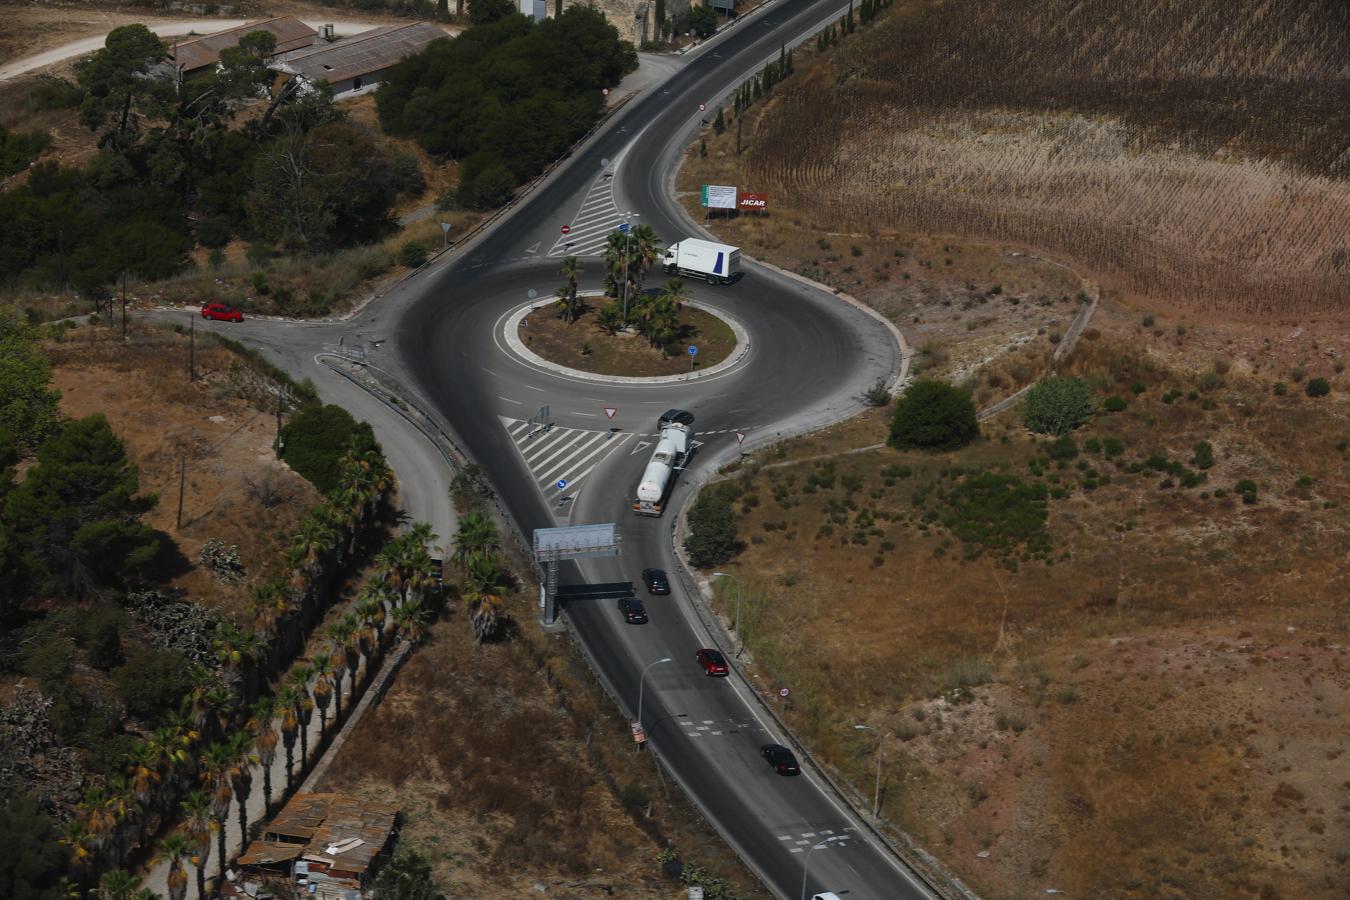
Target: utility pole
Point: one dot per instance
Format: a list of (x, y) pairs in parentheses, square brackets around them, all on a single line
[(124, 304), (192, 349), (738, 132), (277, 444), (182, 479)]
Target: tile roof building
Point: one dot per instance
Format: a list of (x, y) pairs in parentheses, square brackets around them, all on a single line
[(358, 62), (195, 54)]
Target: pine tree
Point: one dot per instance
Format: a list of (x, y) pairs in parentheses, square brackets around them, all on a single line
[(851, 24), (703, 147), (820, 42)]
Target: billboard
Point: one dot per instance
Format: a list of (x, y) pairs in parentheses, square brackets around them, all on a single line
[(750, 201), (717, 196)]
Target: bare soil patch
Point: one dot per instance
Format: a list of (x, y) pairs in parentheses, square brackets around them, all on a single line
[(585, 346), (235, 489), (512, 768)]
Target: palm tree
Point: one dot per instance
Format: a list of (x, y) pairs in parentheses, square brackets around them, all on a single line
[(172, 848), (571, 270), (196, 703), (265, 607), (241, 775), (225, 703), (235, 648), (618, 262), (198, 824), (323, 691), (609, 319), (143, 769), (216, 762), (100, 821), (477, 533), (485, 584), (304, 708), (288, 701), (265, 740), (411, 622), (80, 840), (117, 884), (645, 250), (314, 539), (341, 634)]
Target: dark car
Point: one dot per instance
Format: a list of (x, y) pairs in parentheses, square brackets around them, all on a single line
[(781, 758), (712, 661), (634, 613), (221, 313), (656, 581), (675, 417)]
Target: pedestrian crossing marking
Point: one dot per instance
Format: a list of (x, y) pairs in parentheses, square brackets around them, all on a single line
[(596, 218)]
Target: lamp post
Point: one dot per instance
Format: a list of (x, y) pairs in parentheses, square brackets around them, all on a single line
[(739, 640), (881, 744), (807, 861), (642, 685)]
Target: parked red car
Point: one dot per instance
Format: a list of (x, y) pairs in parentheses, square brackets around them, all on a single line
[(221, 313), (712, 661)]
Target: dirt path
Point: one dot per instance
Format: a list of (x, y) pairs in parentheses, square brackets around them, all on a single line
[(164, 28)]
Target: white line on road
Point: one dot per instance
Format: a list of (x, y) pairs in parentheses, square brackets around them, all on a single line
[(509, 400)]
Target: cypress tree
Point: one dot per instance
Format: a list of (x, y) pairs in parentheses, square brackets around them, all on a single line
[(851, 24), (719, 123)]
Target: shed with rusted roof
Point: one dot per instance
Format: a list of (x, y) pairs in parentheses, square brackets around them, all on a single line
[(359, 62), (196, 54)]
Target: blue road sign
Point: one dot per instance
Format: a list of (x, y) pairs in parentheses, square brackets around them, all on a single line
[(693, 351), (623, 227), (562, 484)]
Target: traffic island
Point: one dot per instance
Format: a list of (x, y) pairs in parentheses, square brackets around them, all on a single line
[(700, 342)]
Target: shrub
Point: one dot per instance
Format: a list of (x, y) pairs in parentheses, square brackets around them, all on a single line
[(259, 253), (998, 513), (1246, 488), (406, 174), (1318, 387), (152, 682), (1058, 405), (1138, 387), (712, 529), (1204, 455), (315, 440), (1280, 389), (260, 285), (933, 415), (214, 232), (412, 254), (1065, 448), (1114, 404), (1092, 445)]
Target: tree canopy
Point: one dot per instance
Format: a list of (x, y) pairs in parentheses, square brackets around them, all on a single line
[(1058, 405), (315, 441), (28, 405), (32, 863), (933, 415), (507, 96)]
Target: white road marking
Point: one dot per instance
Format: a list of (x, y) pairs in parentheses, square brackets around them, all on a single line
[(566, 453), (533, 388), (509, 400)]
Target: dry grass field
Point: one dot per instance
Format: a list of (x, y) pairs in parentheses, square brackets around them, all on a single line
[(1194, 154), (1149, 706)]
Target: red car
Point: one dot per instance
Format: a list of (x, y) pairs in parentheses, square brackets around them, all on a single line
[(221, 313), (712, 661)]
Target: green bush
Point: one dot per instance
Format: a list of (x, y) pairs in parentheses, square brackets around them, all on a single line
[(18, 149), (214, 232), (1246, 488), (1114, 404), (32, 866), (712, 529), (152, 682), (999, 513), (1280, 389), (1064, 447), (412, 254), (1204, 455), (315, 440), (1318, 387), (933, 415), (406, 173), (1058, 405)]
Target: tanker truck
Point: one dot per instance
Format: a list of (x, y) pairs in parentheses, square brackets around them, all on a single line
[(672, 449)]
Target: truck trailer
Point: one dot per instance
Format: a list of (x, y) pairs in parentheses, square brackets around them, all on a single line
[(714, 263), (672, 449)]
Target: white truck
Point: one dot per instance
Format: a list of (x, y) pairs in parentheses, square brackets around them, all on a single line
[(714, 263), (672, 449)]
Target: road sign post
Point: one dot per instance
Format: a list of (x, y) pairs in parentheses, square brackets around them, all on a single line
[(566, 229), (693, 352), (445, 235)]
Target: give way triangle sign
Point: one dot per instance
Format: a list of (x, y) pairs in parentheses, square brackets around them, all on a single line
[(611, 411)]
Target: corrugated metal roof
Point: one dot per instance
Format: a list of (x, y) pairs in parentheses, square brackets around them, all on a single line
[(329, 820), (290, 32), (361, 54), (261, 853)]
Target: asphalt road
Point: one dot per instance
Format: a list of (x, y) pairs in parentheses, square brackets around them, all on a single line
[(811, 356)]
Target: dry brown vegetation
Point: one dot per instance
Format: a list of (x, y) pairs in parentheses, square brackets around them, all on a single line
[(1153, 712), (1192, 153), (236, 491), (512, 769), (584, 345)]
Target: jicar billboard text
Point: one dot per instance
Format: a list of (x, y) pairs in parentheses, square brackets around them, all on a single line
[(720, 196)]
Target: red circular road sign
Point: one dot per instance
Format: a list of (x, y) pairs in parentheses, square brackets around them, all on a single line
[(605, 91), (567, 229), (783, 692), (702, 107)]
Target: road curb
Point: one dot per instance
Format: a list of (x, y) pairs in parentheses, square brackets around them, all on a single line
[(512, 334)]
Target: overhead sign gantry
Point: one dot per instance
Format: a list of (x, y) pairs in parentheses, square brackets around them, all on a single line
[(553, 545)]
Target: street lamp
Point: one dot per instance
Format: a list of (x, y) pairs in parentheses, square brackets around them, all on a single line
[(807, 861), (876, 793), (739, 640), (642, 685), (627, 233)]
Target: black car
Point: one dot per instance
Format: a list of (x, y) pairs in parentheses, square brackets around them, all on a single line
[(675, 417), (781, 758), (656, 581), (634, 613)]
